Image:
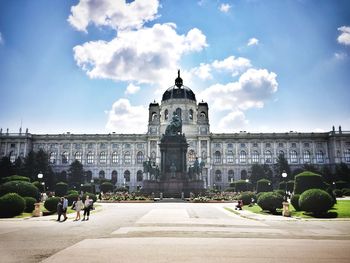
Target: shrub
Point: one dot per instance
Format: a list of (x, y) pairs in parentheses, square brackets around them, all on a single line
[(20, 187), (246, 197), (51, 203), (15, 178), (71, 198), (39, 186), (106, 187), (341, 184), (338, 193), (242, 186), (295, 202), (70, 192), (92, 196), (281, 192), (29, 204), (346, 191), (230, 189), (11, 205), (316, 201), (263, 185), (87, 188), (61, 189), (270, 201), (121, 189), (306, 181)]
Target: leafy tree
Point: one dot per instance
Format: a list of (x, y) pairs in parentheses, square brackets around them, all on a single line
[(327, 174), (30, 166), (6, 167), (76, 173), (19, 166), (282, 166), (260, 172), (342, 172)]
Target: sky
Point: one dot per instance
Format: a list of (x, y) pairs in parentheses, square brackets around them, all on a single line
[(93, 66)]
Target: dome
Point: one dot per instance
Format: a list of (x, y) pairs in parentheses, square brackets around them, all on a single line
[(178, 91)]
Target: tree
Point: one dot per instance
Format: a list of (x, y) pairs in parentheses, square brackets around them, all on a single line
[(6, 167), (19, 166), (311, 168), (342, 172), (30, 166), (260, 172), (282, 166), (76, 173)]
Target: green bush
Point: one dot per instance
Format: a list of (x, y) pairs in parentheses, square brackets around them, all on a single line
[(346, 191), (51, 203), (338, 193), (29, 204), (106, 187), (281, 192), (242, 186), (308, 180), (11, 205), (39, 186), (290, 186), (295, 202), (70, 192), (316, 201), (61, 189), (341, 184), (92, 196), (71, 198), (270, 201), (230, 189), (20, 187), (263, 185), (87, 188), (122, 189), (246, 197), (15, 178)]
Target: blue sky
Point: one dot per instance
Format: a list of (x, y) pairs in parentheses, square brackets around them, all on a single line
[(94, 66)]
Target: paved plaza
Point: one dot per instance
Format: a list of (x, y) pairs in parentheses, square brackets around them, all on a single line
[(174, 232)]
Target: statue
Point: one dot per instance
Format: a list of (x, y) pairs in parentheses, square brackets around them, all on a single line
[(175, 126), (173, 170)]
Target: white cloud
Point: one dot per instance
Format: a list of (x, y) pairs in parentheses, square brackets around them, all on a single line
[(232, 64), (344, 37), (116, 14), (232, 120), (1, 39), (132, 89), (147, 55), (125, 118), (340, 55), (253, 41), (203, 71), (225, 8)]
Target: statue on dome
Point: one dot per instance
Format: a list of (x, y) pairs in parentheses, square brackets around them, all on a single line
[(175, 126)]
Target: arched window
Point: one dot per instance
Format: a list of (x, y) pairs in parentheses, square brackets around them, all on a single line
[(78, 156), (88, 175), (230, 156), (191, 156), (218, 176), (179, 113), (255, 157), (65, 157), (243, 157), (203, 115), (244, 174), (347, 155), (166, 114), (281, 153), (293, 157), (115, 157), (230, 177), (90, 157), (190, 114), (217, 157), (139, 157), (52, 158), (154, 116), (320, 157), (306, 156), (114, 176), (139, 176), (101, 174), (127, 158), (103, 157), (127, 176), (268, 157)]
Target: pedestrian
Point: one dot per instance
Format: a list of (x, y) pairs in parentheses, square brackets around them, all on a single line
[(59, 209), (87, 208), (78, 206), (65, 207)]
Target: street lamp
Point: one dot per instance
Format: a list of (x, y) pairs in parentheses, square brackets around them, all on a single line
[(40, 177), (285, 211), (284, 175)]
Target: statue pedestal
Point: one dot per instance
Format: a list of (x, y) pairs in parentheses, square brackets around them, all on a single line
[(286, 211), (37, 211)]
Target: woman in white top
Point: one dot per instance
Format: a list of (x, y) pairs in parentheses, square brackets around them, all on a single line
[(78, 207), (87, 207)]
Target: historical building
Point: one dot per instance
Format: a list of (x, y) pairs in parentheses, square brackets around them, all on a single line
[(227, 156)]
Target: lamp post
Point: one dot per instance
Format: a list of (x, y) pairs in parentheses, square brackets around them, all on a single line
[(284, 175), (40, 177), (285, 211)]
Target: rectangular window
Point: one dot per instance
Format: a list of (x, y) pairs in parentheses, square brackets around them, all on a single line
[(242, 145), (306, 144), (294, 145), (268, 145), (280, 144), (255, 144)]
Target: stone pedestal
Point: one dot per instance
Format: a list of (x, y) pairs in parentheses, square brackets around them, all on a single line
[(286, 211), (37, 211)]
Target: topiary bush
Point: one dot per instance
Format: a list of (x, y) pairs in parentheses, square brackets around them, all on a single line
[(341, 184), (308, 180), (246, 197), (242, 186), (39, 186), (316, 201), (106, 187), (338, 193), (87, 188), (15, 178), (346, 191), (92, 196), (122, 189), (71, 198), (230, 189), (51, 203), (295, 201), (263, 185), (270, 201), (29, 204), (20, 187), (61, 189), (70, 192), (11, 205)]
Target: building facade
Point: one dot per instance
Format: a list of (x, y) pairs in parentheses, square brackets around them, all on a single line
[(227, 156)]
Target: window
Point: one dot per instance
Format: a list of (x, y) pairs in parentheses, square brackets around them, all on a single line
[(255, 157), (66, 146), (242, 157), (179, 113), (90, 158), (306, 157), (115, 157), (103, 157), (127, 158), (230, 176), (217, 145), (139, 157), (293, 157), (114, 176), (127, 176), (217, 157), (230, 157), (306, 145), (281, 153), (242, 145), (268, 145), (190, 115), (166, 114), (268, 157), (203, 115), (191, 156), (90, 145), (319, 157), (78, 156), (218, 176), (255, 144), (101, 174), (230, 145), (13, 145), (52, 158), (65, 157), (280, 144), (347, 155), (294, 144), (139, 176), (103, 145)]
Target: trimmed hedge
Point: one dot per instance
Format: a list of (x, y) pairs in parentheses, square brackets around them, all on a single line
[(290, 186), (346, 191), (341, 184), (87, 188), (92, 196), (308, 180), (20, 187), (263, 185), (38, 185), (15, 178), (51, 203), (246, 197), (316, 201), (122, 189), (270, 201), (61, 189), (29, 204), (242, 186), (11, 205), (70, 192), (106, 187), (71, 198), (338, 193), (230, 189), (295, 202)]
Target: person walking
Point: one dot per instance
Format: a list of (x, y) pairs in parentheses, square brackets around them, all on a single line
[(65, 207), (87, 208), (59, 209), (78, 206)]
